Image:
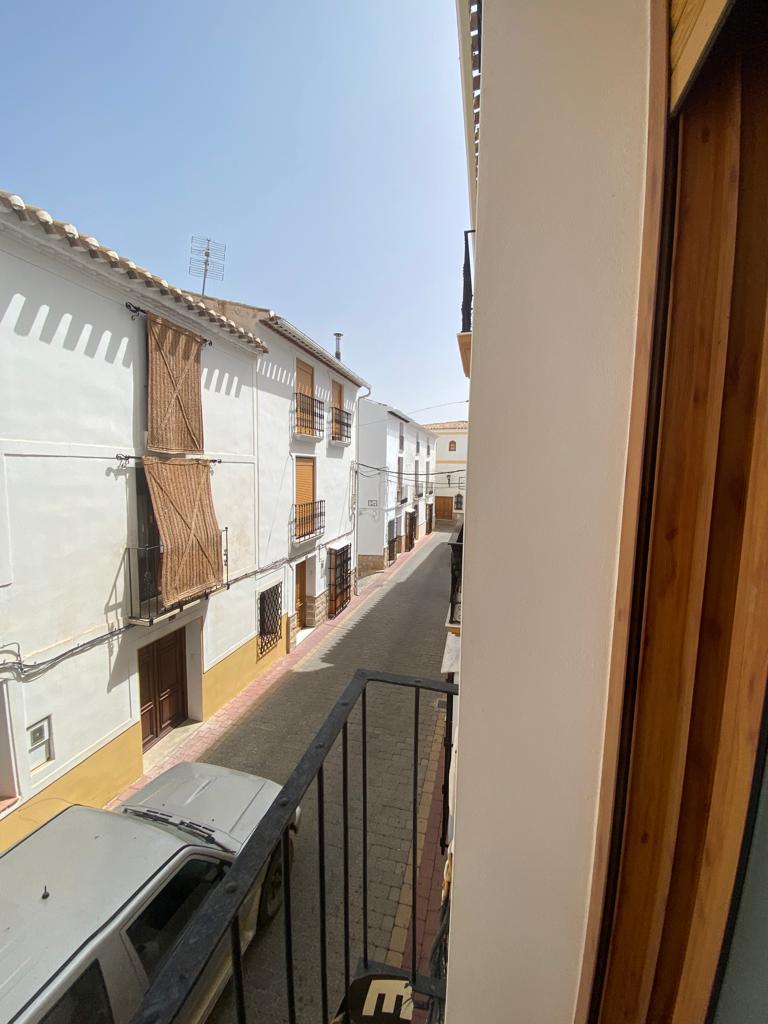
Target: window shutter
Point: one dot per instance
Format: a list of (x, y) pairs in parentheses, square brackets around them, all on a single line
[(174, 409), (181, 495)]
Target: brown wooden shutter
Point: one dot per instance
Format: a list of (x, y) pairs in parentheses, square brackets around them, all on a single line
[(305, 378), (175, 414), (338, 395), (305, 481), (181, 497)]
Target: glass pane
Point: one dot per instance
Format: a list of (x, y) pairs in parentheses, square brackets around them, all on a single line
[(160, 923), (86, 1001)]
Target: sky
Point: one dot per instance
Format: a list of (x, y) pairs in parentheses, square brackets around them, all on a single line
[(321, 140)]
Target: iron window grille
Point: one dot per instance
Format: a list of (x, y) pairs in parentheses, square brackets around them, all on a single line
[(410, 530), (458, 502), (341, 425), (340, 571), (430, 519), (310, 415), (270, 618), (391, 541), (308, 520)]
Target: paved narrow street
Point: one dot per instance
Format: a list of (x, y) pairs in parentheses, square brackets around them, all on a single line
[(399, 628)]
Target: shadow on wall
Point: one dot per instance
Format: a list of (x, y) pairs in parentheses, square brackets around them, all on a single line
[(221, 371), (45, 318)]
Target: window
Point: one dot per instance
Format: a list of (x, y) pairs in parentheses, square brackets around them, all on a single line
[(400, 490), (451, 446), (418, 445), (270, 618), (416, 480), (402, 437), (39, 743), (157, 927), (86, 1002), (340, 572), (458, 502)]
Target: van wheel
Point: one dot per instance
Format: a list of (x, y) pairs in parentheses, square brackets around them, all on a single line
[(272, 890)]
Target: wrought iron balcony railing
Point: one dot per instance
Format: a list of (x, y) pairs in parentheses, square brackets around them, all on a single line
[(312, 782), (144, 565), (467, 297), (310, 415), (341, 425), (457, 558), (308, 520)]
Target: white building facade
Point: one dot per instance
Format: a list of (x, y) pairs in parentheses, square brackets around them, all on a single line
[(396, 465), (450, 467), (102, 652)]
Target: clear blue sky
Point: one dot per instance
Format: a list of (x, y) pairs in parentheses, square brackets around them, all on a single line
[(320, 139)]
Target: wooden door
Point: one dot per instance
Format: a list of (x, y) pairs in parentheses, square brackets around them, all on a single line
[(301, 595), (337, 395), (444, 507), (162, 686)]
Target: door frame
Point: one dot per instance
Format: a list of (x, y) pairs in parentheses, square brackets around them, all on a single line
[(182, 643), (698, 841), (300, 571)]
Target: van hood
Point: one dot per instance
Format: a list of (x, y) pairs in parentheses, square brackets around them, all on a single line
[(225, 804)]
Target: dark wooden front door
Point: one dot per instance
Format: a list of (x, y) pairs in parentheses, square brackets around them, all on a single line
[(301, 595), (162, 686)]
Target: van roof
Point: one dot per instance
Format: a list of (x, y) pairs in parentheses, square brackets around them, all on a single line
[(90, 863)]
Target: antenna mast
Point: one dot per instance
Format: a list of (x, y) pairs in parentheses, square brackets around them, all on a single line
[(206, 259)]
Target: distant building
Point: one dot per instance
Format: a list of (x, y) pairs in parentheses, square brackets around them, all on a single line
[(396, 464), (450, 467)]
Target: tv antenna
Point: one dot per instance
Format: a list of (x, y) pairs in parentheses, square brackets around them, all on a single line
[(206, 259)]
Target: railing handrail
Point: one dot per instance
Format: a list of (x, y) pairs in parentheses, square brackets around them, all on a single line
[(177, 977), (154, 601)]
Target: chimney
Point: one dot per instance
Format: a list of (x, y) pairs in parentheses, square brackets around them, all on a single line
[(338, 336)]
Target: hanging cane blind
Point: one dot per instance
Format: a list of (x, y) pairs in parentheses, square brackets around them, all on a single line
[(174, 405), (191, 562)]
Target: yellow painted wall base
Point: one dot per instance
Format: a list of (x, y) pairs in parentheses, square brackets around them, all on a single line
[(93, 782), (232, 674)]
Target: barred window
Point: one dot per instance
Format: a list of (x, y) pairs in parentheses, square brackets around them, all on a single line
[(270, 617), (458, 502), (340, 572)]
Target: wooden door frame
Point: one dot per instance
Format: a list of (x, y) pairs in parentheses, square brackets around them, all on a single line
[(301, 565), (732, 758)]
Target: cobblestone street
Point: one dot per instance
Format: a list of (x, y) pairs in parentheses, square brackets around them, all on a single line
[(398, 628)]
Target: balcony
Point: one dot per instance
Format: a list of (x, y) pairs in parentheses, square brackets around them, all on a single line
[(309, 416), (457, 558), (308, 520), (325, 952), (341, 426), (465, 335), (144, 565)]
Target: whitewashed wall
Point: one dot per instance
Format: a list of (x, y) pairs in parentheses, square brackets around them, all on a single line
[(379, 432), (556, 288), (72, 395)]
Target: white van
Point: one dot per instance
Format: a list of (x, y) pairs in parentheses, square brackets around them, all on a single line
[(92, 902)]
